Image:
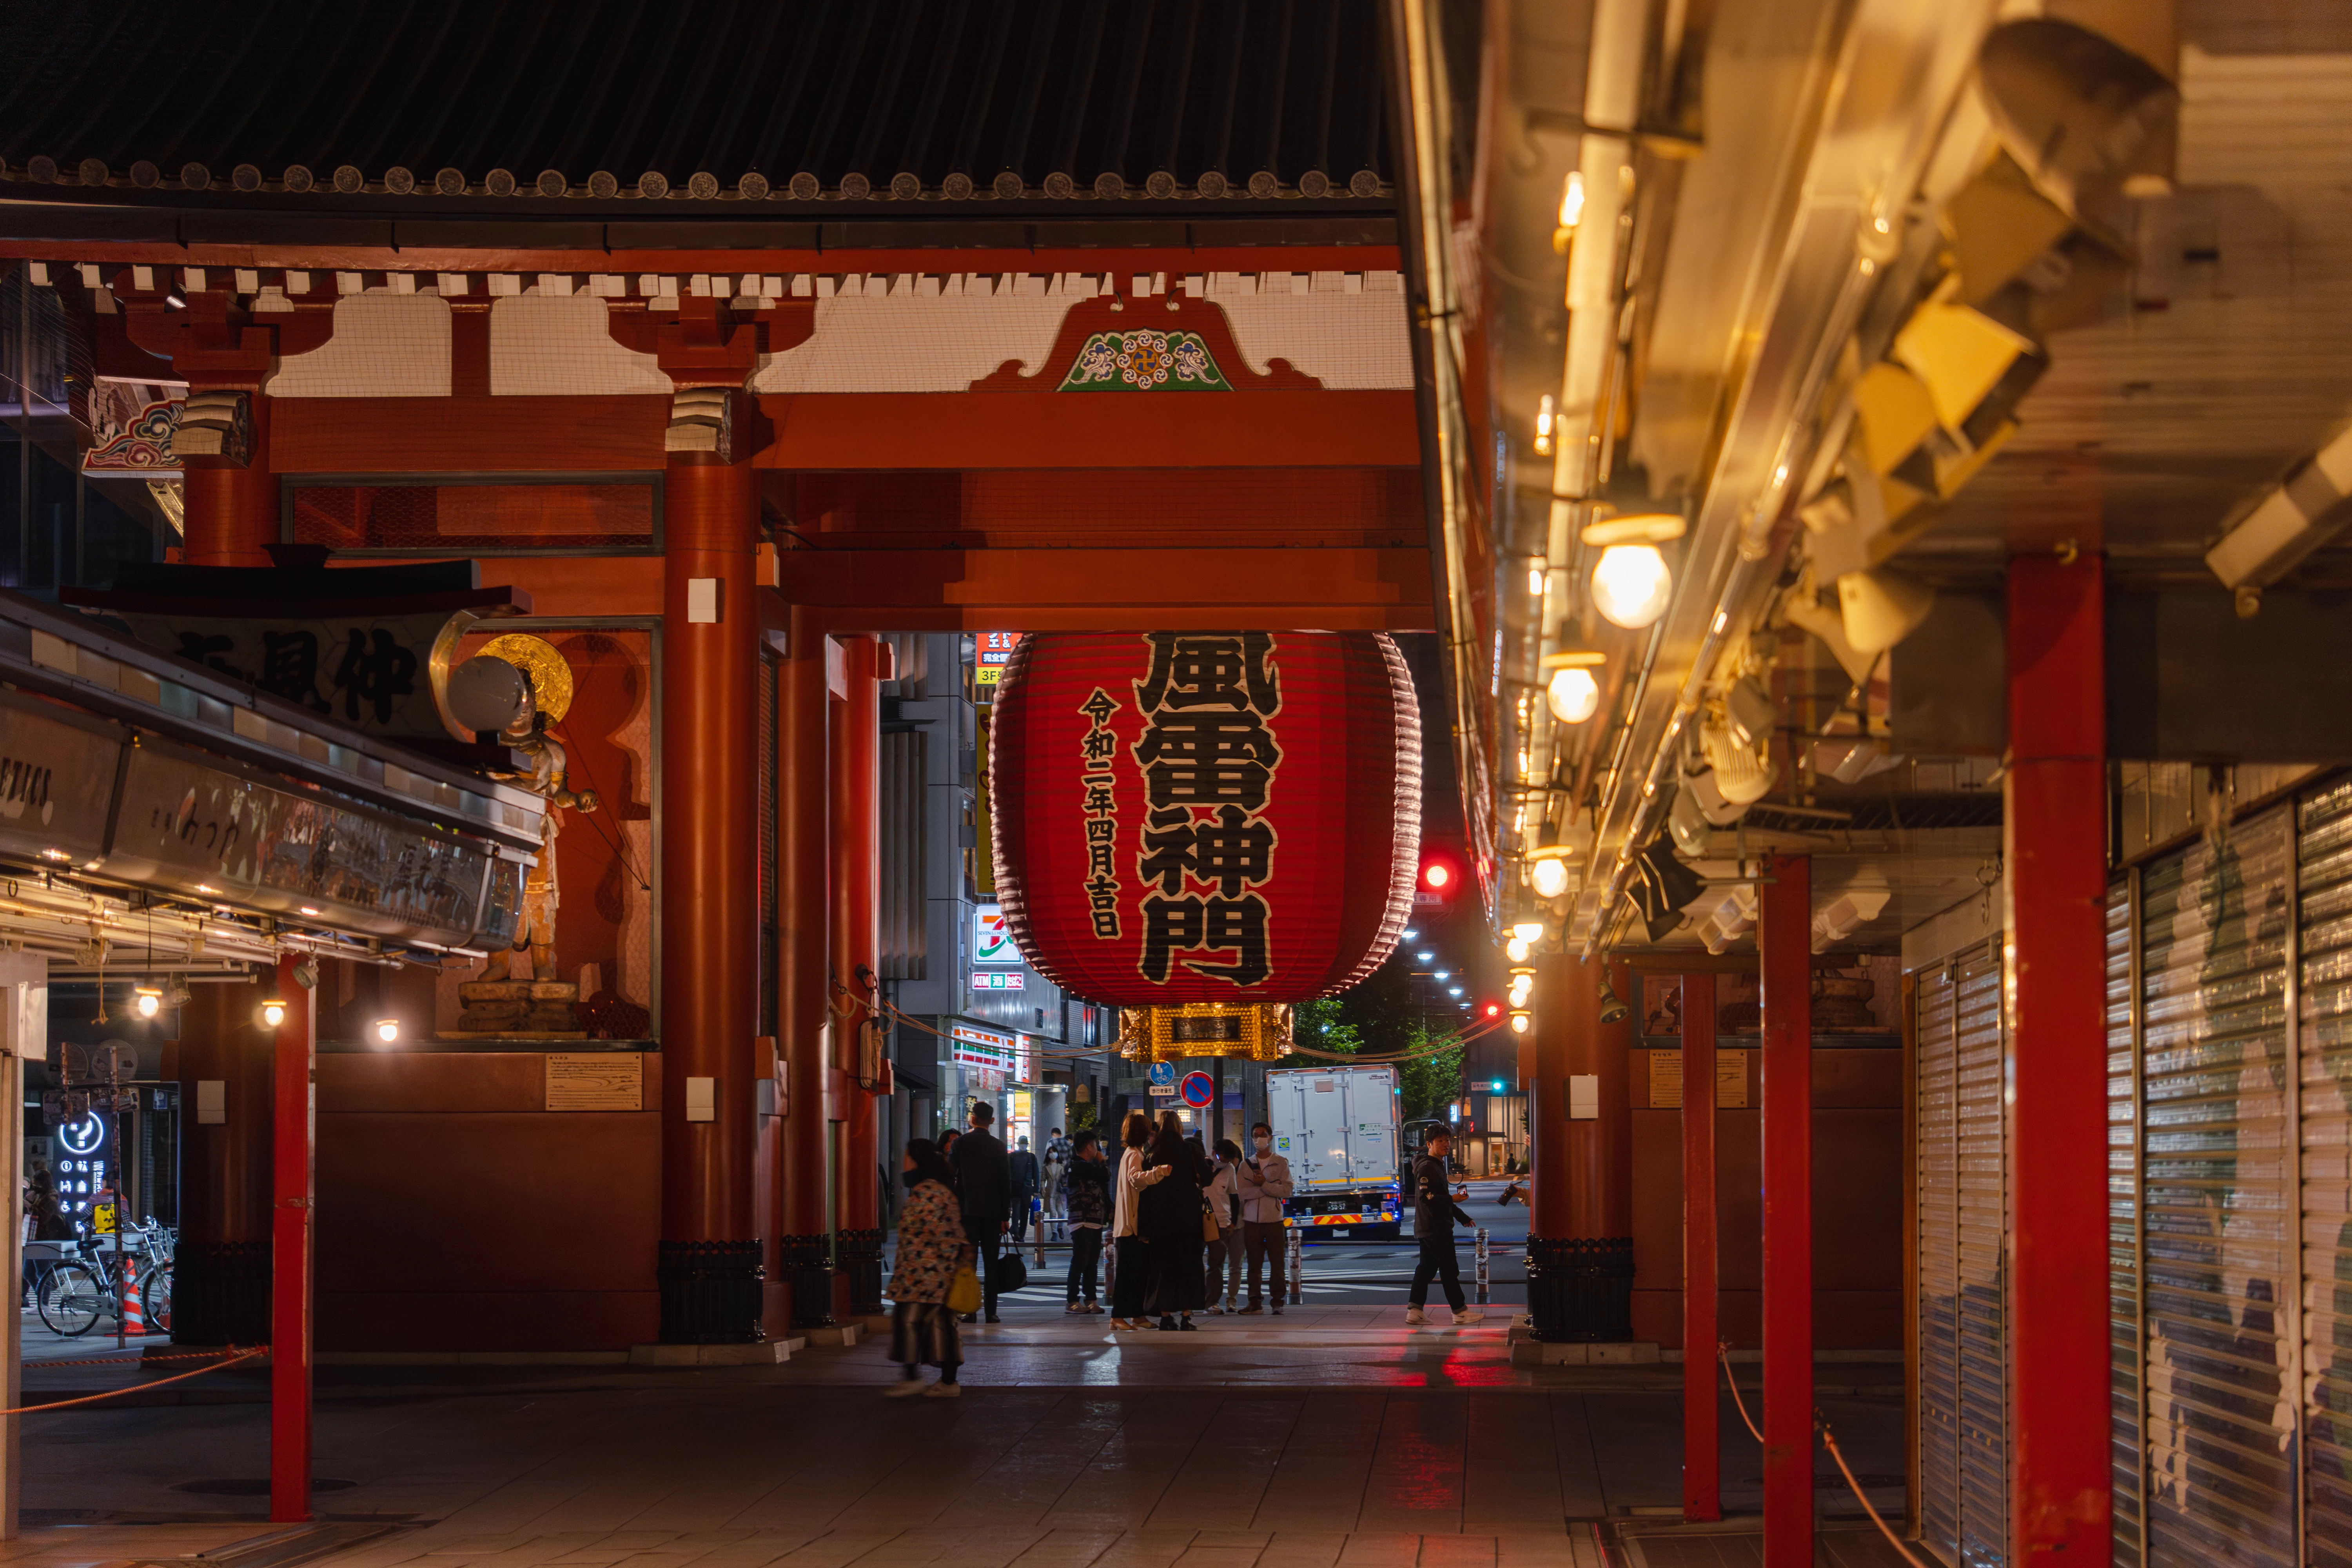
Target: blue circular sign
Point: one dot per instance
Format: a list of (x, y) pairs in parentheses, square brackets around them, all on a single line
[(1198, 1089), (1164, 1073)]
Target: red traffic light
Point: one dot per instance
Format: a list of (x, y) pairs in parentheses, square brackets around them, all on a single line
[(1494, 1009), (1436, 874)]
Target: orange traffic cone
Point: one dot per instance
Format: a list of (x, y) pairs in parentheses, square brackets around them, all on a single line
[(134, 1312)]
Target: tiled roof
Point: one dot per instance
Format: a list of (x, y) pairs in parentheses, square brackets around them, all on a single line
[(773, 100)]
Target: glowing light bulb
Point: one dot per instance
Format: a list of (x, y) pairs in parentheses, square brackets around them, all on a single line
[(1573, 695), (1518, 949), (1632, 585), (1522, 1022), (1538, 576), (387, 1030), (1527, 931), (1549, 876), (273, 1013), (1571, 199), (1545, 416)]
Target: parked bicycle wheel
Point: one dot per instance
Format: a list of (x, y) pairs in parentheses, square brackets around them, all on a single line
[(72, 1299), (156, 1291)]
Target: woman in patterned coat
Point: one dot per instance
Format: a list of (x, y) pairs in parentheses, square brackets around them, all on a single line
[(932, 1248)]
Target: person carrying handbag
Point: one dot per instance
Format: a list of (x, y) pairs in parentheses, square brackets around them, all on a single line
[(934, 1264)]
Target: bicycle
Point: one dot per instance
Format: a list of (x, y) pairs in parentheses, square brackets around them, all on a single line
[(76, 1292)]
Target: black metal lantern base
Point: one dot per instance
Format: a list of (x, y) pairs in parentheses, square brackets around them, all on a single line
[(1582, 1288), (806, 1264), (220, 1293), (858, 1255), (710, 1292)]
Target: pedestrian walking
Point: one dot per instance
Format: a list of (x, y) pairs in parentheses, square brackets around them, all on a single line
[(932, 1248), (1265, 1183), (1130, 1253), (1435, 1207), (1088, 1206), (1223, 1283), (1172, 1221), (1059, 1154), (1024, 1165), (983, 1180)]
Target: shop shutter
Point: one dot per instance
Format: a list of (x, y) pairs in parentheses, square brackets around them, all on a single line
[(1938, 1230), (2219, 1210), (2325, 889), (2123, 1225), (1983, 1280)]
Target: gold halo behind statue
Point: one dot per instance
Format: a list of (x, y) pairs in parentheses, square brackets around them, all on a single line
[(542, 665)]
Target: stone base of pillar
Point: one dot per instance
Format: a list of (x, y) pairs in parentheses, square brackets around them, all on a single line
[(220, 1293), (806, 1264), (1582, 1288), (710, 1292), (860, 1257)]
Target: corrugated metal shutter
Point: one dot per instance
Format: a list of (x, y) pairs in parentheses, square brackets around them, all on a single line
[(2219, 1219), (1937, 1188), (1983, 1280), (2325, 887), (2123, 1225)]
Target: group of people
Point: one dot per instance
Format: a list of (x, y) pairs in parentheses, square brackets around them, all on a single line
[(1185, 1230), (1182, 1225)]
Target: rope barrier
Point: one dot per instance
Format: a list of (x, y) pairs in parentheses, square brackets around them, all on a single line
[(1723, 1353), (136, 1387), (1830, 1440), (127, 1359)]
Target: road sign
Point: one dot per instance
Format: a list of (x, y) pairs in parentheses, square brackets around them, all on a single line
[(1164, 1075), (1198, 1090)]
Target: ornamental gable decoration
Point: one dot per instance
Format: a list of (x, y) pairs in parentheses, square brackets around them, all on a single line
[(1190, 817), (1144, 360)]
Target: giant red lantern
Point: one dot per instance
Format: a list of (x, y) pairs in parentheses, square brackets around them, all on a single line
[(1212, 821)]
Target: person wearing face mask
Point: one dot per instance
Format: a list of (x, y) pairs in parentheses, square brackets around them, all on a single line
[(932, 1248), (1263, 1181)]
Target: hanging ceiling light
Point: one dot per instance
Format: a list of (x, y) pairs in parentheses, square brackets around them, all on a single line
[(146, 1001), (387, 1030), (1527, 931), (1518, 949), (1521, 1020), (1572, 210), (1632, 584), (272, 1013), (1545, 418), (1549, 876), (1572, 695)]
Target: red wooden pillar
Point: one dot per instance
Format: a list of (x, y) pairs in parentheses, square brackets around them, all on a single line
[(1580, 1246), (230, 505), (1784, 942), (2055, 820), (290, 1240), (854, 780), (805, 1240), (710, 1265), (1702, 1460)]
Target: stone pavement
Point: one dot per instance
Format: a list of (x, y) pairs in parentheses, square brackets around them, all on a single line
[(1329, 1438)]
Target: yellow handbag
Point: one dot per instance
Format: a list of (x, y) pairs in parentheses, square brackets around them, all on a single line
[(963, 1294)]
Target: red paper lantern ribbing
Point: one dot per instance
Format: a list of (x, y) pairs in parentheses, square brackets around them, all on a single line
[(1205, 817)]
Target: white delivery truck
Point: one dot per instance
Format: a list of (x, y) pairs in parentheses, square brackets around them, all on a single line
[(1338, 1127)]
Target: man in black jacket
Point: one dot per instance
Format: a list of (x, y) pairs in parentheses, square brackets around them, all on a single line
[(1023, 1166), (985, 1187), (1435, 1207)]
